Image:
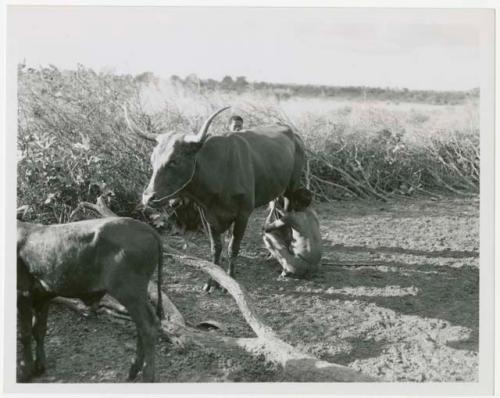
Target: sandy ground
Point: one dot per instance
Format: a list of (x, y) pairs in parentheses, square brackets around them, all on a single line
[(397, 296)]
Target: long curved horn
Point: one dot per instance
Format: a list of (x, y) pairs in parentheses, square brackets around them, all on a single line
[(204, 129), (141, 133)]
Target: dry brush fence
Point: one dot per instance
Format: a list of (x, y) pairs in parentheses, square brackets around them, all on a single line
[(73, 144)]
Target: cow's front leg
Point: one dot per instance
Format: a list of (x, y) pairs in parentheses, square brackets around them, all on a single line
[(216, 249), (233, 248), (39, 332), (25, 312)]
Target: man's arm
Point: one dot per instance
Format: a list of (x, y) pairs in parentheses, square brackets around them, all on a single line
[(286, 204), (271, 226)]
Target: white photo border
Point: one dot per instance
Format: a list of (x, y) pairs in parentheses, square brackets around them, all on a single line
[(485, 384)]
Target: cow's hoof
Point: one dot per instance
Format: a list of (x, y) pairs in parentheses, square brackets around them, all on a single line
[(213, 288), (132, 375), (148, 378), (25, 374), (206, 288), (217, 287), (23, 378), (219, 290), (39, 368), (133, 372)]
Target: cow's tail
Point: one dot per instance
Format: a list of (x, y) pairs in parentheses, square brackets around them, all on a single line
[(308, 174), (159, 303), (301, 152)]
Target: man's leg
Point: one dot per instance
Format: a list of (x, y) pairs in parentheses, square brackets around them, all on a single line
[(289, 263)]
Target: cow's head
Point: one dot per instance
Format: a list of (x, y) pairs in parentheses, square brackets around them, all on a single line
[(173, 160)]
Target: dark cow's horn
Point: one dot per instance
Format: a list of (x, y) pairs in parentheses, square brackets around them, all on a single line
[(141, 133), (204, 129)]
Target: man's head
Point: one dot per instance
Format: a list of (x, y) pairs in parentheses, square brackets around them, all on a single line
[(301, 198), (236, 123)]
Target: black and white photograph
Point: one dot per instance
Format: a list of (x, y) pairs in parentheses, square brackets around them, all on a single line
[(246, 195)]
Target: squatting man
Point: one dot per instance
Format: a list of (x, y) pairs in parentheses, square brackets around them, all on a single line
[(294, 239)]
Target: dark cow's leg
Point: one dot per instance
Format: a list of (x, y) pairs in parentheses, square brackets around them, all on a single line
[(152, 325), (24, 305), (138, 361), (216, 249), (233, 249), (145, 319), (142, 313), (39, 332)]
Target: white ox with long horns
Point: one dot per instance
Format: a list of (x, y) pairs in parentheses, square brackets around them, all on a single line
[(227, 176)]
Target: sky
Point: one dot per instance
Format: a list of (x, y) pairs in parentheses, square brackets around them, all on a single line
[(413, 48)]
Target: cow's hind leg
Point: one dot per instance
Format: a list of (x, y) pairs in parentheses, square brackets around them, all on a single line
[(216, 249), (24, 304), (142, 313), (138, 360), (39, 332), (145, 319), (152, 325), (233, 249)]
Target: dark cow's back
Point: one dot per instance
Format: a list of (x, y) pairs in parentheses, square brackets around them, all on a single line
[(79, 253), (261, 163)]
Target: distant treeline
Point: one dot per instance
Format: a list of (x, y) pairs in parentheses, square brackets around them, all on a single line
[(284, 91)]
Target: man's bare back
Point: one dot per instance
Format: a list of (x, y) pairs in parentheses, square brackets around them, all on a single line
[(306, 238)]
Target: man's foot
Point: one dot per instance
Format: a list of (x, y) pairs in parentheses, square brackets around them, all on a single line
[(265, 255), (284, 276), (288, 276)]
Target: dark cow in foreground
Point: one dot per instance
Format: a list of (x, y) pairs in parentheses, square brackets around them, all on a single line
[(86, 260), (227, 176)]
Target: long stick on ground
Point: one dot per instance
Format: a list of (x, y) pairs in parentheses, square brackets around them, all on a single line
[(297, 365)]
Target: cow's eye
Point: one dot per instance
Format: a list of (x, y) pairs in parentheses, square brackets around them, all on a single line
[(172, 162)]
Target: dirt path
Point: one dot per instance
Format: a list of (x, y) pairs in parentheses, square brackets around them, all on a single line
[(397, 296)]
